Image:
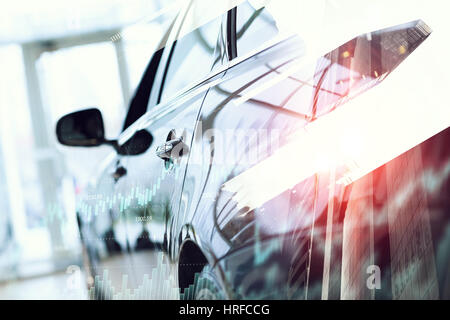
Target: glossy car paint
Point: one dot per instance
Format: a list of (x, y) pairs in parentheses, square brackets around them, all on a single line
[(229, 124)]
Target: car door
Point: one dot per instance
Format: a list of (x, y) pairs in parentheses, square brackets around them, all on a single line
[(151, 188), (123, 214)]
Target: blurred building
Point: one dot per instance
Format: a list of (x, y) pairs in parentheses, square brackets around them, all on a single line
[(56, 58), (396, 219)]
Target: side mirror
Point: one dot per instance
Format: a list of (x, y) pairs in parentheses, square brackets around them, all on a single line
[(137, 144), (85, 129), (81, 129)]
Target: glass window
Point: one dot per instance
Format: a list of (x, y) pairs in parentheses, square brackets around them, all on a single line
[(140, 42), (91, 79), (24, 235), (254, 27), (192, 57), (143, 46)]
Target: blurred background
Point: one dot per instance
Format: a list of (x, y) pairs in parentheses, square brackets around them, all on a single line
[(57, 57)]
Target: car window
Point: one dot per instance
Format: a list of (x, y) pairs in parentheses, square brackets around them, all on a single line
[(139, 103), (254, 27), (191, 58)]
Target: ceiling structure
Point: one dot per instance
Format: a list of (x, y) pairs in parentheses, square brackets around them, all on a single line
[(29, 21)]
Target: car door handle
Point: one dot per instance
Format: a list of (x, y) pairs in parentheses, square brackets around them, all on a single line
[(119, 173), (171, 149)]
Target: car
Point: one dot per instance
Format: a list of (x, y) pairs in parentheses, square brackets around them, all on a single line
[(215, 175)]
